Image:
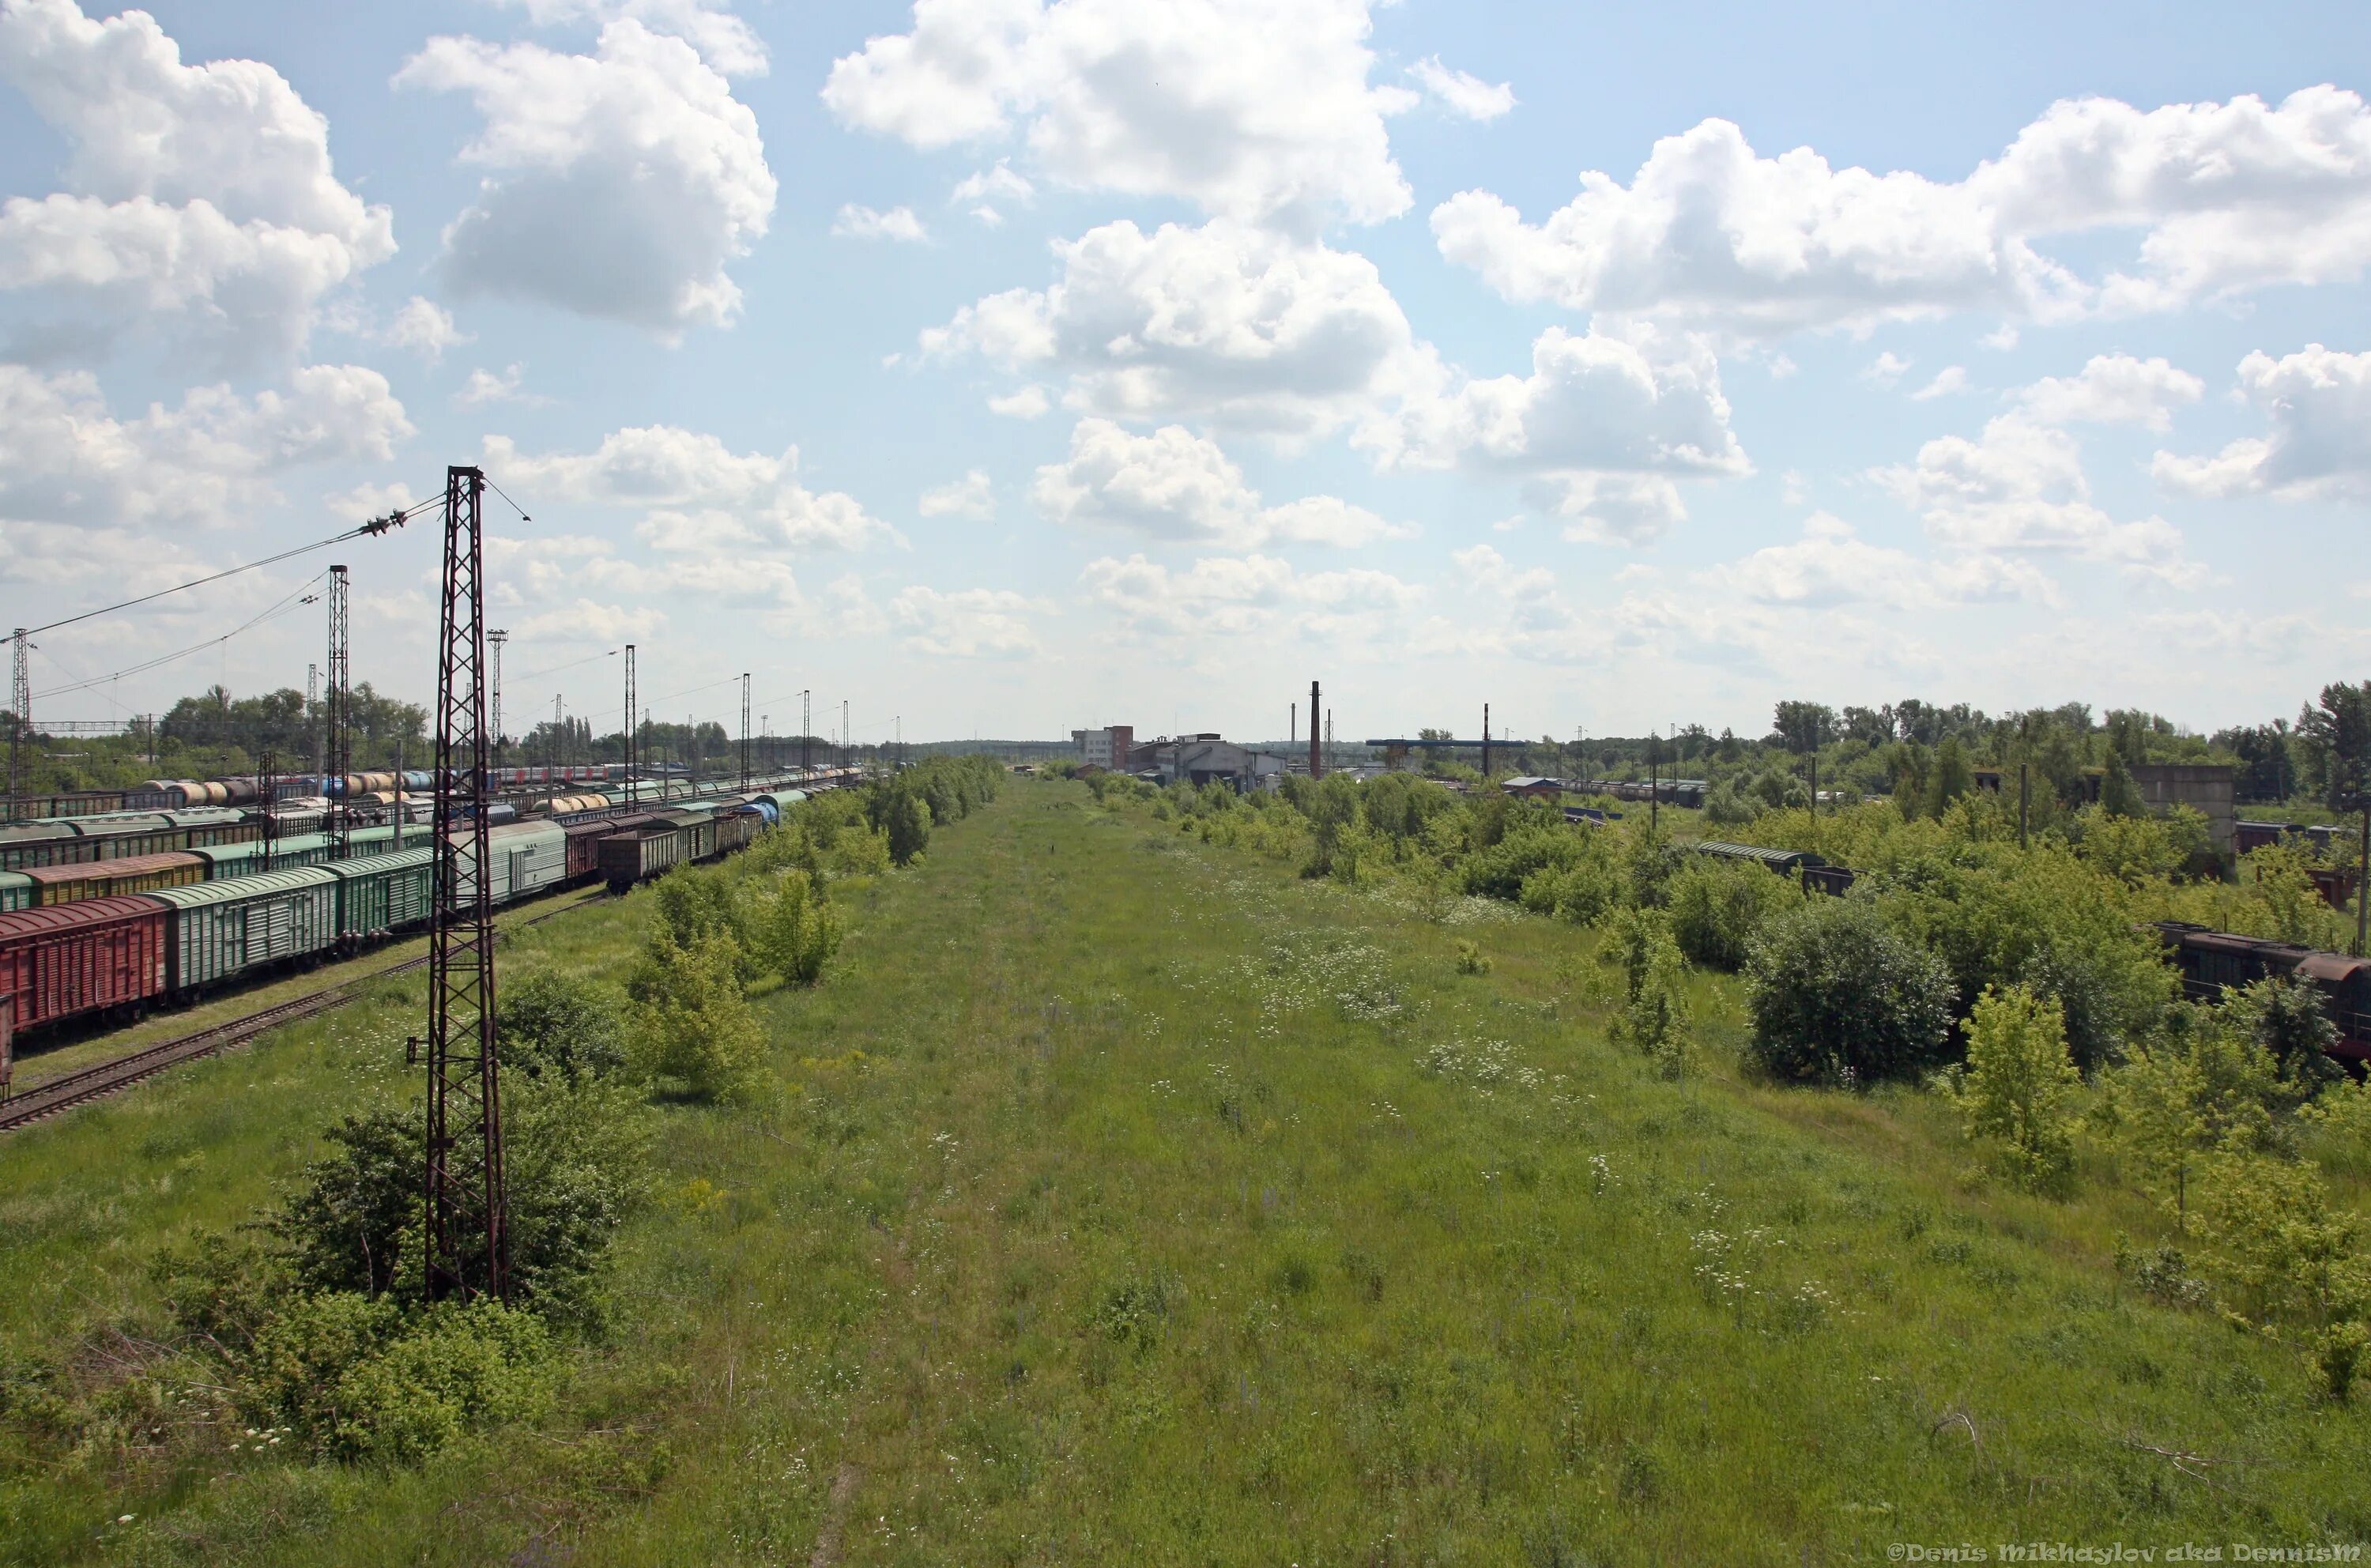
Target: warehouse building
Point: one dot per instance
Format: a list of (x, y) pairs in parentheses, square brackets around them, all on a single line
[(1106, 747)]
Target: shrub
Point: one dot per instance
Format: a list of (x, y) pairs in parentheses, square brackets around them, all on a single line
[(2015, 1088), (859, 852), (1717, 908), (357, 1377), (1499, 870), (693, 1025), (1470, 960), (693, 903), (545, 1024), (1654, 1019), (898, 810), (576, 1160), (2285, 1017), (1584, 892), (796, 929), (1838, 994)]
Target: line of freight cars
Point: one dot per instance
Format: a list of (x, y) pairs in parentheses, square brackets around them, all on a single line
[(118, 835), (119, 936), (2210, 962)]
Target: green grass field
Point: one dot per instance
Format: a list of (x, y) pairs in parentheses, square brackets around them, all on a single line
[(1121, 1200)]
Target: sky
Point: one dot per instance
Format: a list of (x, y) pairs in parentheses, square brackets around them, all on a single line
[(1002, 367)]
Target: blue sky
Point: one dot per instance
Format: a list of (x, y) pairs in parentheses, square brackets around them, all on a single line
[(2004, 354)]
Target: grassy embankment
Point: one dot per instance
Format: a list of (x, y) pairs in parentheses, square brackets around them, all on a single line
[(1120, 1199)]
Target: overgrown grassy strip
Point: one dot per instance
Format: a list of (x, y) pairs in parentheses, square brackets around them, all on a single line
[(1120, 1198)]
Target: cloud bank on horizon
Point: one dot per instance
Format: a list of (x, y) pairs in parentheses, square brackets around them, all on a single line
[(1013, 365)]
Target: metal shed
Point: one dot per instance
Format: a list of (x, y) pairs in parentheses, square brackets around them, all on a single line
[(219, 930)]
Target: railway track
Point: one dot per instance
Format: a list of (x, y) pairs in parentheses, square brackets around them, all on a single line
[(85, 1084)]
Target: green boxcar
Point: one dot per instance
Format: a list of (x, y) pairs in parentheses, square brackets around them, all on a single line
[(382, 892), (218, 930), (16, 892), (527, 856)]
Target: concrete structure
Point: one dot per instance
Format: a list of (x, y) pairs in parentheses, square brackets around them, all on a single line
[(2208, 789), (1206, 759), (1107, 747)]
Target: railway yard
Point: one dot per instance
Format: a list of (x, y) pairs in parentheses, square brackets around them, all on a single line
[(1102, 1192)]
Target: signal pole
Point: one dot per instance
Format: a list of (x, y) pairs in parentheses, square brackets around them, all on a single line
[(341, 763), (633, 738), (466, 1244)]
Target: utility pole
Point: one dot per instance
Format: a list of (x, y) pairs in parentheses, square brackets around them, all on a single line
[(1329, 737), (494, 640), (313, 713), (20, 703), (341, 763), (1292, 726), (551, 754), (806, 735), (745, 732), (1316, 763), (633, 736), (847, 745), (1654, 783), (468, 1246), (1485, 743)]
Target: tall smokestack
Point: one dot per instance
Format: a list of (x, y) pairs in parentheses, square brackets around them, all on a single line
[(1485, 741), (1316, 769)]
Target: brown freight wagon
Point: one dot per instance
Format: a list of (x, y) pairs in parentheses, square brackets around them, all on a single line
[(640, 854), (81, 957), (585, 841), (113, 879), (735, 829)]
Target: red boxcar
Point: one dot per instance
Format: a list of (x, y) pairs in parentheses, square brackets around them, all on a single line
[(80, 957)]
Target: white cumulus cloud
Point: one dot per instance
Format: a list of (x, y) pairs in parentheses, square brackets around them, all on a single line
[(2112, 390), (1462, 92), (971, 496), (968, 623), (857, 222), (425, 328), (1175, 486), (200, 198), (619, 183), (2317, 403), (724, 40), (1238, 326), (2223, 197), (1832, 565), (697, 493), (1259, 109), (1252, 595), (2021, 488)]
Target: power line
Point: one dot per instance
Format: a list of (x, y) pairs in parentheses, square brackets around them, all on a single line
[(293, 601), (374, 526)]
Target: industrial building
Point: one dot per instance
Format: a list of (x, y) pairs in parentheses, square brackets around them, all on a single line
[(1106, 747)]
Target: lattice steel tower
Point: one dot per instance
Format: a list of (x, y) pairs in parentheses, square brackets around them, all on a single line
[(467, 1250), (21, 704), (633, 736), (494, 640), (341, 761), (745, 732)]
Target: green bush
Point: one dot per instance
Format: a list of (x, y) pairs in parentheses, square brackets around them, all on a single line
[(796, 929), (2017, 1086), (692, 1026), (1717, 908), (545, 1024), (1838, 995), (358, 1377)]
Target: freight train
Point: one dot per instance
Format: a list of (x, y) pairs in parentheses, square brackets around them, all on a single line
[(84, 937)]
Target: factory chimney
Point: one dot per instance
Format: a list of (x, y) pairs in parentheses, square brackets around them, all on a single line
[(1316, 769)]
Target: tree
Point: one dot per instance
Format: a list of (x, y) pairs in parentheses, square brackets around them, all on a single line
[(544, 1024), (2338, 729), (1953, 777), (796, 931), (1838, 995), (2119, 796), (1655, 1019), (1802, 726), (2017, 1082), (693, 1025)]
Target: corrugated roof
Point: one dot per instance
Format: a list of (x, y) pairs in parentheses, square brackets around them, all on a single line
[(230, 890), (83, 912), (130, 866), (1758, 852), (374, 865)]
